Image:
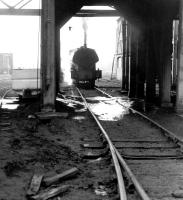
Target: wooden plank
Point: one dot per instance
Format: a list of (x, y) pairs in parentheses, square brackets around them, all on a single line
[(35, 184), (51, 115), (95, 155), (50, 193), (93, 145), (5, 124), (67, 174)]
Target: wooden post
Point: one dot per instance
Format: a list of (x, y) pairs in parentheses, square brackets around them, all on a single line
[(48, 87), (179, 98)]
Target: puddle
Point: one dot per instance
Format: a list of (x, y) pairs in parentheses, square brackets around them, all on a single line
[(108, 110), (9, 103)]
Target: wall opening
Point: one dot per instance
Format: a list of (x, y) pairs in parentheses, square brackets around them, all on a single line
[(101, 36)]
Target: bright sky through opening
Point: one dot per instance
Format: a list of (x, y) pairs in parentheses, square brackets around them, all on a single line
[(19, 35), (101, 36)]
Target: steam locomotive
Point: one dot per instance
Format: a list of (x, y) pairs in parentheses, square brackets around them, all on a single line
[(83, 69)]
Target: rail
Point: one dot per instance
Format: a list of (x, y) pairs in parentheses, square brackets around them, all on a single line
[(121, 187), (164, 130), (118, 158)]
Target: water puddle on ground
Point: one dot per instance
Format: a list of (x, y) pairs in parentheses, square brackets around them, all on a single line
[(9, 103), (107, 109)]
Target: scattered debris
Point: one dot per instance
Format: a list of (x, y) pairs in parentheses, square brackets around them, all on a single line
[(5, 124), (178, 193), (66, 174), (31, 117), (7, 129), (15, 143), (31, 125), (11, 167), (101, 190), (5, 117), (73, 97), (95, 161), (35, 184), (74, 103), (50, 115), (46, 194), (93, 146), (91, 155)]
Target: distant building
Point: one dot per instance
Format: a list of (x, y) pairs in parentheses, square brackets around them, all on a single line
[(6, 63)]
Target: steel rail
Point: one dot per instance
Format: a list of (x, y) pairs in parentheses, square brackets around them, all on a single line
[(164, 130), (4, 91), (121, 187), (3, 96), (136, 183)]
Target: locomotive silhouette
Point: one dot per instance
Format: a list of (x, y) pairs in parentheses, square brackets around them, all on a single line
[(83, 69)]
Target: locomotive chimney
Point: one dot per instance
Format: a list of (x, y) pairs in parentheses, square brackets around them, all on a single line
[(85, 28)]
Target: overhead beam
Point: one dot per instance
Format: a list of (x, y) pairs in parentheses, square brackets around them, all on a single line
[(97, 13), (26, 12)]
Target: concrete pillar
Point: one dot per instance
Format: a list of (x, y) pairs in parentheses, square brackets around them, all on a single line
[(179, 97), (133, 61), (124, 40), (141, 66), (48, 83), (127, 57), (174, 61), (57, 57), (166, 49), (150, 67)]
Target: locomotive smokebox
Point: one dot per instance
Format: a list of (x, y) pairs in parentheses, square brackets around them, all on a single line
[(84, 66)]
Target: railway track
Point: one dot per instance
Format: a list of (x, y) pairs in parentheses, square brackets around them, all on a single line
[(151, 156)]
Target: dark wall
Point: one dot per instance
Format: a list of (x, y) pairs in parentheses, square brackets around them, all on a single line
[(139, 13)]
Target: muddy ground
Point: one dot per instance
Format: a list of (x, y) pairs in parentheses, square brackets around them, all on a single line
[(29, 146)]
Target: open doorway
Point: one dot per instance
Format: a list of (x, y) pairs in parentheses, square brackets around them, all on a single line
[(101, 36)]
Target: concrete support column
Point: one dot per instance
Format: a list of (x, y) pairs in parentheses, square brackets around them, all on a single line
[(57, 57), (174, 62), (133, 61), (141, 66), (150, 67), (48, 83), (179, 98), (124, 40), (165, 64), (127, 57)]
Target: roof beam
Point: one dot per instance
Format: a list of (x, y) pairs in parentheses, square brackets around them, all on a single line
[(26, 12), (97, 13)]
